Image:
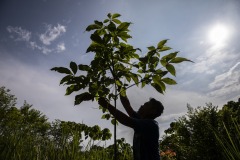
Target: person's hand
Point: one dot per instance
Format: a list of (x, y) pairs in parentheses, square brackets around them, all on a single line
[(103, 102)]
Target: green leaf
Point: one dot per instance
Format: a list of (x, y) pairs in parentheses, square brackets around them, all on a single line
[(106, 20), (140, 71), (96, 38), (128, 77), (157, 80), (116, 15), (124, 36), (151, 48), (157, 87), (153, 60), (100, 32), (137, 57), (114, 122), (92, 27), (119, 83), (117, 21), (109, 15), (100, 24), (169, 81), (83, 97), (111, 27), (162, 85), (170, 56), (161, 44), (106, 38), (143, 83), (163, 62), (71, 89), (179, 60), (61, 70), (143, 59), (74, 67), (161, 73), (134, 78), (83, 67), (164, 48), (103, 117), (66, 78), (94, 47), (116, 40), (123, 92), (123, 26), (107, 116), (171, 69)]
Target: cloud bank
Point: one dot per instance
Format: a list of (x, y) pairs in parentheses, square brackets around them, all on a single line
[(227, 83), (19, 34), (51, 34)]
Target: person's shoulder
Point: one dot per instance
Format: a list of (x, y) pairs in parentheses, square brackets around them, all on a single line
[(154, 123), (135, 115)]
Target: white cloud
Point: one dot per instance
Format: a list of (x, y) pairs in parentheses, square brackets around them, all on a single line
[(43, 49), (61, 47), (227, 84), (207, 62), (52, 33), (21, 34)]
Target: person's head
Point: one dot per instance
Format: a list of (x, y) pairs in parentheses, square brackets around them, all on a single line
[(151, 109)]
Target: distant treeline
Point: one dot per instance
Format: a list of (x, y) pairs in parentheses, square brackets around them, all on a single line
[(26, 134)]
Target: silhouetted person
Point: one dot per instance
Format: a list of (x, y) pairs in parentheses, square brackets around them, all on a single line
[(146, 130)]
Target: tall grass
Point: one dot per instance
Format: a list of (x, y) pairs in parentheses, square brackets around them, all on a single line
[(23, 147), (230, 143)]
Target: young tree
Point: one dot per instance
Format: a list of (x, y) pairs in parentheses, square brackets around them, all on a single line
[(117, 65)]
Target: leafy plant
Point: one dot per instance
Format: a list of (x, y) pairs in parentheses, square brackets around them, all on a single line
[(118, 65)]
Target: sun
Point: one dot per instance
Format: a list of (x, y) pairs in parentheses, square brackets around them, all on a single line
[(218, 34)]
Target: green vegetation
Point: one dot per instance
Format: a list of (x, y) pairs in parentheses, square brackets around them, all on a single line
[(230, 140), (205, 133), (25, 133)]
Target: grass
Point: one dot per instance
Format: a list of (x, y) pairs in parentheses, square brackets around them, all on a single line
[(230, 143), (24, 146)]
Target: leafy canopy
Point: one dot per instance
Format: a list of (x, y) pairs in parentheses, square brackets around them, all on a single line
[(117, 65)]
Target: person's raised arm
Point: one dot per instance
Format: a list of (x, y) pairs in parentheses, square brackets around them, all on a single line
[(126, 104), (120, 116)]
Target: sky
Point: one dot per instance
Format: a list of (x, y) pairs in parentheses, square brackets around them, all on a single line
[(37, 35)]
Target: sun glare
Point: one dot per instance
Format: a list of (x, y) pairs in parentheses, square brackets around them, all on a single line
[(218, 34)]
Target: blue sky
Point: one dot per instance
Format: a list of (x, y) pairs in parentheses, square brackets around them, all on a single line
[(38, 35)]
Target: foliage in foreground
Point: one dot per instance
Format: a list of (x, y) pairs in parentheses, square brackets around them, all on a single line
[(25, 133), (117, 65), (205, 133)]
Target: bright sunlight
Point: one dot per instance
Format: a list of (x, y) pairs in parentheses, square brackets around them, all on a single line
[(218, 34)]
